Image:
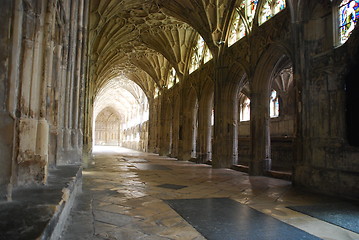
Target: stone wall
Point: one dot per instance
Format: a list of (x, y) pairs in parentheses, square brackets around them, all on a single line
[(42, 63), (135, 137), (6, 118), (328, 163)]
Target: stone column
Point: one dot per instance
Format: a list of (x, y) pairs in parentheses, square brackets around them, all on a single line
[(205, 128), (77, 78), (158, 129), (71, 28), (10, 12), (84, 73), (46, 85), (188, 126), (166, 128), (225, 149), (32, 158), (175, 127), (260, 135)]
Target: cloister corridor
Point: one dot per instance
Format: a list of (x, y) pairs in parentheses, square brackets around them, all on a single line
[(179, 119)]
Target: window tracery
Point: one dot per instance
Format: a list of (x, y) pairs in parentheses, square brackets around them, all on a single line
[(238, 29), (243, 17), (271, 8), (348, 12), (201, 55)]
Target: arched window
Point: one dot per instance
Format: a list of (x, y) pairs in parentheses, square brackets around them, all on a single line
[(238, 29), (242, 19), (274, 104), (244, 108), (271, 8), (201, 55), (348, 16), (172, 78)]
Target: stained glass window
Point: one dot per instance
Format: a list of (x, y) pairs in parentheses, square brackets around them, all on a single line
[(249, 7), (243, 17), (274, 104), (201, 55), (348, 17), (172, 78), (237, 31), (271, 8)]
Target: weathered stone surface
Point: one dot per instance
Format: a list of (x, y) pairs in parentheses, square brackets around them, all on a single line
[(40, 212)]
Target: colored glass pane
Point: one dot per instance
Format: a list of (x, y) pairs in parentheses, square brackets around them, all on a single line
[(237, 31), (348, 17), (249, 7), (271, 8)]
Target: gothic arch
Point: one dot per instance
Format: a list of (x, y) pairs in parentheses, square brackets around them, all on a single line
[(260, 117), (107, 127)]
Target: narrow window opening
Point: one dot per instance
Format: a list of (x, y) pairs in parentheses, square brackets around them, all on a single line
[(274, 104)]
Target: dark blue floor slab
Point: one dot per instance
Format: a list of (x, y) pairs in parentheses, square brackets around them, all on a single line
[(172, 186), (344, 215), (226, 219)]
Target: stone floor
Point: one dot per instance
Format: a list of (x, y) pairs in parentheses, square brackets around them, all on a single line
[(124, 195), (37, 212)]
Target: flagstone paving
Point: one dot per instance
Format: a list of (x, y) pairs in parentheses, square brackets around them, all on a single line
[(124, 192)]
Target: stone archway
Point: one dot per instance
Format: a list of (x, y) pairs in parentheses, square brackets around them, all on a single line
[(283, 126), (266, 70), (107, 128)]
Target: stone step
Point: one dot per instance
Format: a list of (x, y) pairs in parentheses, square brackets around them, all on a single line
[(40, 212)]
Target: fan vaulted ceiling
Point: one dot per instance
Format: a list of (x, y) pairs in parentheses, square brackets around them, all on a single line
[(141, 40)]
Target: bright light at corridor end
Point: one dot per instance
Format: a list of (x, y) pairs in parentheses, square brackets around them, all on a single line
[(120, 114)]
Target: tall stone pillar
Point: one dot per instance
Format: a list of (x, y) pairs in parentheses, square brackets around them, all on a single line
[(175, 127), (166, 128), (205, 128), (260, 135), (153, 127), (188, 126), (225, 145)]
